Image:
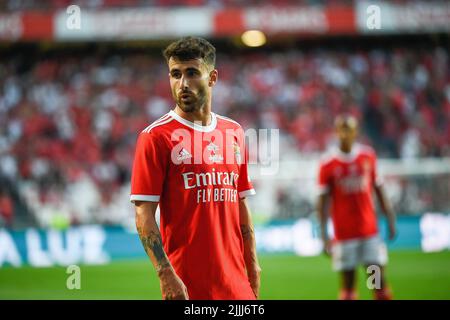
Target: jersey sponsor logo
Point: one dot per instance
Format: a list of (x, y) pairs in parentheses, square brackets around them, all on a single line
[(195, 180), (216, 195), (205, 183), (354, 184)]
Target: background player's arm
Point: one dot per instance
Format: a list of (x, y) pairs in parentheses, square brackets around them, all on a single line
[(171, 285), (250, 256), (387, 210), (323, 219)]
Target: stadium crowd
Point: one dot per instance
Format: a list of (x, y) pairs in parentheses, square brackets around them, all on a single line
[(68, 124)]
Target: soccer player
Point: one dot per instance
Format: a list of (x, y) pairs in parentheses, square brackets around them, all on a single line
[(192, 163), (348, 175)]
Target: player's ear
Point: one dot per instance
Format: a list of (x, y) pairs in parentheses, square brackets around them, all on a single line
[(213, 76)]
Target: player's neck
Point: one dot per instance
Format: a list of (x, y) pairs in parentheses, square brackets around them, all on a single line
[(203, 115), (345, 148)]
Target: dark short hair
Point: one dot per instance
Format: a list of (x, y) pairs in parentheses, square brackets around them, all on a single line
[(189, 48)]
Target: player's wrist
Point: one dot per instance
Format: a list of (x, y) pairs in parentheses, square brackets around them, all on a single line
[(254, 270), (166, 272)]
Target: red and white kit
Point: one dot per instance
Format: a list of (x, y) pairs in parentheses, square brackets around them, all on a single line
[(197, 174), (350, 180)]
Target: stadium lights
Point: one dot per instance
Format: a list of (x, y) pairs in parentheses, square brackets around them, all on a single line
[(254, 38)]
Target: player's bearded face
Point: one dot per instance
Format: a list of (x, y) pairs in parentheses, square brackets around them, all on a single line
[(190, 100), (189, 84)]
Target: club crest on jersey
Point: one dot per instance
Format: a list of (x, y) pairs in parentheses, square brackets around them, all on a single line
[(366, 166), (237, 152)]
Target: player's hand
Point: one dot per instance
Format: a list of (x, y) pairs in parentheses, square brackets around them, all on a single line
[(172, 287), (392, 232), (327, 247), (254, 277)]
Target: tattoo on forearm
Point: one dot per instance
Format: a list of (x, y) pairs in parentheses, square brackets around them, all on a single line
[(153, 243), (247, 231)]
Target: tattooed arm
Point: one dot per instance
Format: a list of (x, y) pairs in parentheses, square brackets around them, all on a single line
[(172, 288), (250, 257)]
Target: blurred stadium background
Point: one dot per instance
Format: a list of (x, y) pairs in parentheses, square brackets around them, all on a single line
[(72, 101)]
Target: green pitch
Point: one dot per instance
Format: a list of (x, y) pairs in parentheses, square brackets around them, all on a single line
[(413, 275)]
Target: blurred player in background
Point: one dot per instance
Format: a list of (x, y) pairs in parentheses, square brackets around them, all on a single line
[(206, 248), (348, 175)]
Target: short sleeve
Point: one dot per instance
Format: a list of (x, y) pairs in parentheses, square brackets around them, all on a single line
[(149, 169), (245, 186), (323, 179)]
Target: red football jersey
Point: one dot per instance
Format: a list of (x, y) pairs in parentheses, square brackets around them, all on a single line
[(197, 174), (350, 179)]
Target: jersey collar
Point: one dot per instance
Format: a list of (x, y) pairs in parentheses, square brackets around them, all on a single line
[(196, 126), (347, 157)]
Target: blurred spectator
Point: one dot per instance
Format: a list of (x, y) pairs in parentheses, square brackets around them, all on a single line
[(6, 209)]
